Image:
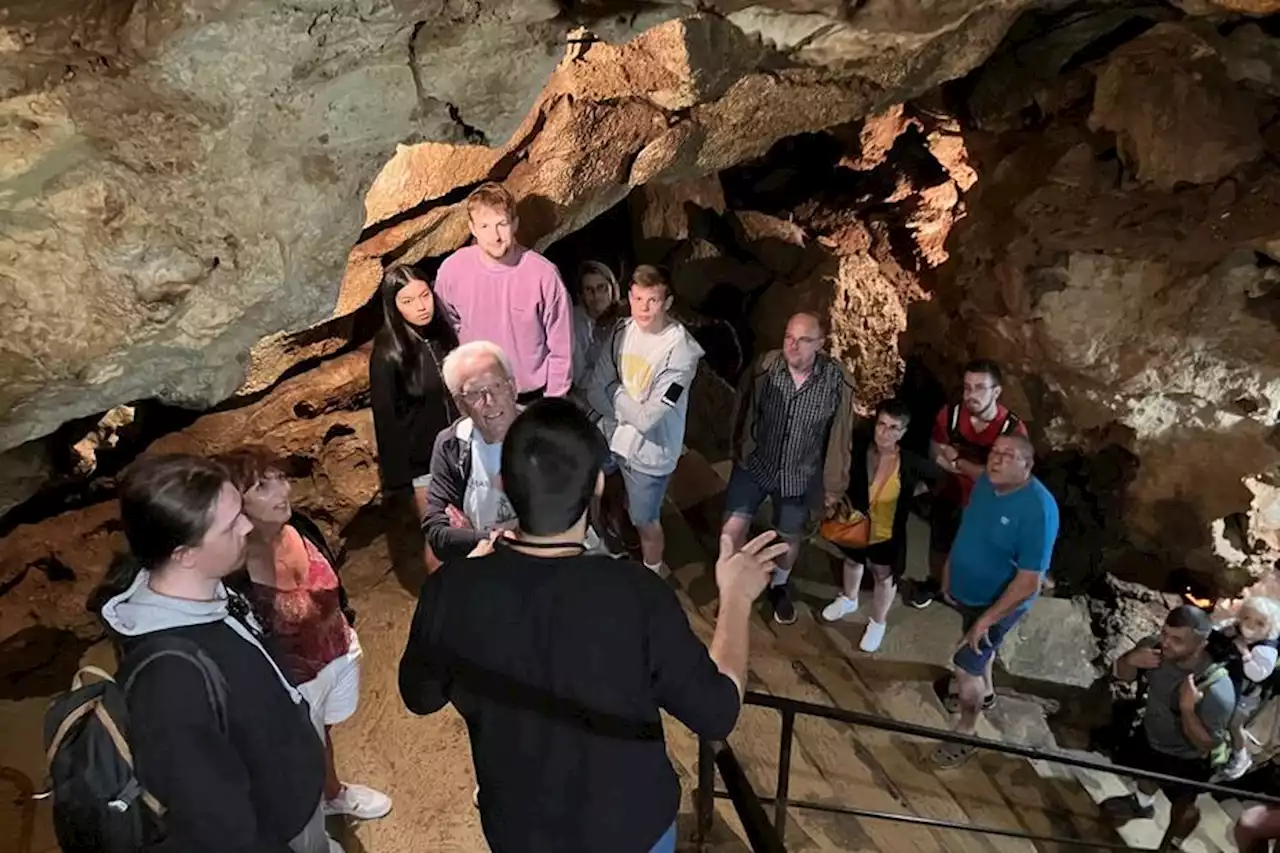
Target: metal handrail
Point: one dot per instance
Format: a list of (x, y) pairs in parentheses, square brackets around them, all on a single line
[(857, 718), (768, 838)]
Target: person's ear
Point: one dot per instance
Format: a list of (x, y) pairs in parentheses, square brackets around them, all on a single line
[(515, 221), (184, 557)]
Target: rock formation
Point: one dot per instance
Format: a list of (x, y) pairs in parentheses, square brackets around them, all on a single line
[(184, 179), (1121, 258), (200, 198)]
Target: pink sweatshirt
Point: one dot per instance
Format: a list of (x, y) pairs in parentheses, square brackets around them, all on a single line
[(522, 308)]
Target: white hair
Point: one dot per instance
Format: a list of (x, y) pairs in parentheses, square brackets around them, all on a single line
[(456, 362), (1267, 608)]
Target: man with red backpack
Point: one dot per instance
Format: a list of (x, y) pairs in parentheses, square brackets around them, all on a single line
[(963, 435)]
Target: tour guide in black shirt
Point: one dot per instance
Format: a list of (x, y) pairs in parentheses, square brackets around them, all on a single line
[(560, 662)]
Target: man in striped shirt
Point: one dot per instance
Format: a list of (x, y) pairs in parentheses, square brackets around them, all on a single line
[(791, 440)]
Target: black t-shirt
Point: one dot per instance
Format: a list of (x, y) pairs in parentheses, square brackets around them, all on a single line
[(559, 666)]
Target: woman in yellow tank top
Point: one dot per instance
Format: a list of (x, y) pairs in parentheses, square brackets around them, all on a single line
[(882, 480)]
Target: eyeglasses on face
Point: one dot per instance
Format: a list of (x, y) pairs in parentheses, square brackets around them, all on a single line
[(490, 392)]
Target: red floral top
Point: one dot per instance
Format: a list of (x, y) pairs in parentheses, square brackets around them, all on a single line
[(307, 622)]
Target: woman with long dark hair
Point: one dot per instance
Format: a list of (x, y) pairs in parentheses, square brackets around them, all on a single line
[(410, 401)]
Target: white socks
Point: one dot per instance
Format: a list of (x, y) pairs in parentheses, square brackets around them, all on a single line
[(1145, 800)]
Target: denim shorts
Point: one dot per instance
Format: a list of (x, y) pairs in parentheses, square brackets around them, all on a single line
[(743, 498), (975, 663), (645, 493)]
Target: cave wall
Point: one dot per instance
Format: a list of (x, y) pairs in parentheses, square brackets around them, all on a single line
[(1120, 258), (184, 179), (189, 224)]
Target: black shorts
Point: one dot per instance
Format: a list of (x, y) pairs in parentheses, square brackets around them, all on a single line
[(944, 524), (881, 553), (1137, 753)]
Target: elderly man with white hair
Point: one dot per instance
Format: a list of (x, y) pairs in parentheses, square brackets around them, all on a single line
[(465, 502)]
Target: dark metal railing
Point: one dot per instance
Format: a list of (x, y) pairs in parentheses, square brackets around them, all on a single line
[(766, 837)]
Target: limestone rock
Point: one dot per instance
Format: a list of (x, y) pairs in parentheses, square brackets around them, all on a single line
[(1176, 114), (662, 213), (1132, 324), (23, 470), (184, 186), (1054, 643), (318, 423), (616, 117)]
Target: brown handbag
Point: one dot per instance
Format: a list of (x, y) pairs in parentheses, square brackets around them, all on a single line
[(847, 527)]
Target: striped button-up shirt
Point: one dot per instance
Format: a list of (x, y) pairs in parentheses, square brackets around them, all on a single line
[(793, 425)]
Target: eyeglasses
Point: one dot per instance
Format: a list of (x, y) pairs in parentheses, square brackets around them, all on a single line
[(790, 339), (475, 395)]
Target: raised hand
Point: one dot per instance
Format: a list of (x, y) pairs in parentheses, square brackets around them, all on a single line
[(743, 574)]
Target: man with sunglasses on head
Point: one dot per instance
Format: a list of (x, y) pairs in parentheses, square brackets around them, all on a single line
[(791, 440)]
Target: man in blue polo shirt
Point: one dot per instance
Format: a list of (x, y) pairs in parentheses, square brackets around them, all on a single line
[(994, 572)]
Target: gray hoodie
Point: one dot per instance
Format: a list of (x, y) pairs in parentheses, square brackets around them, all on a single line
[(140, 610), (648, 431)]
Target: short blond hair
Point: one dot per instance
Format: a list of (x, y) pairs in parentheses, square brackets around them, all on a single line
[(494, 196), (455, 364)]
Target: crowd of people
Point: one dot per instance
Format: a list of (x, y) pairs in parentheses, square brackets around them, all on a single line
[(503, 413)]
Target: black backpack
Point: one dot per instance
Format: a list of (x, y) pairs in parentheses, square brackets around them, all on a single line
[(99, 806)]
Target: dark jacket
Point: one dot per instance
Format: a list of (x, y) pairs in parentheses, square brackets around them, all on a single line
[(450, 470), (247, 789), (403, 424), (913, 469)]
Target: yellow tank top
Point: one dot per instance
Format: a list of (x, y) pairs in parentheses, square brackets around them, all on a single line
[(884, 505)]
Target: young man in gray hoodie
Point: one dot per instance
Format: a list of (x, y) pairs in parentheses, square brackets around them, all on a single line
[(249, 779), (640, 389)]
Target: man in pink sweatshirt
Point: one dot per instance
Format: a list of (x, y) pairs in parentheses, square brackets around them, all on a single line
[(497, 290)]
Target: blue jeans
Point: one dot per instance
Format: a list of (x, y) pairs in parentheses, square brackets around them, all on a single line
[(667, 843), (645, 492)]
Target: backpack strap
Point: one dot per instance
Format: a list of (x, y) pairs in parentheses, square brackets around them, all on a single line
[(1010, 425), (161, 646)]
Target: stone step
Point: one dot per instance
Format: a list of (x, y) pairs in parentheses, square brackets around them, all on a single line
[(915, 639)]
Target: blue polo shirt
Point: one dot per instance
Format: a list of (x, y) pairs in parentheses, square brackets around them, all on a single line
[(1000, 534)]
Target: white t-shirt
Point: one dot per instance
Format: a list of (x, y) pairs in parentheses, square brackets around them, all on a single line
[(484, 503)]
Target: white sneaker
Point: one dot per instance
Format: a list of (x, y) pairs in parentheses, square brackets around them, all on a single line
[(840, 608), (1240, 763), (360, 802), (872, 637)]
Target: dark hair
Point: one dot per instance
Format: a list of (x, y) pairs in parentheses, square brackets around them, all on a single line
[(896, 409), (1190, 616), (987, 366), (647, 275), (166, 503), (412, 352), (248, 465), (551, 459)]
